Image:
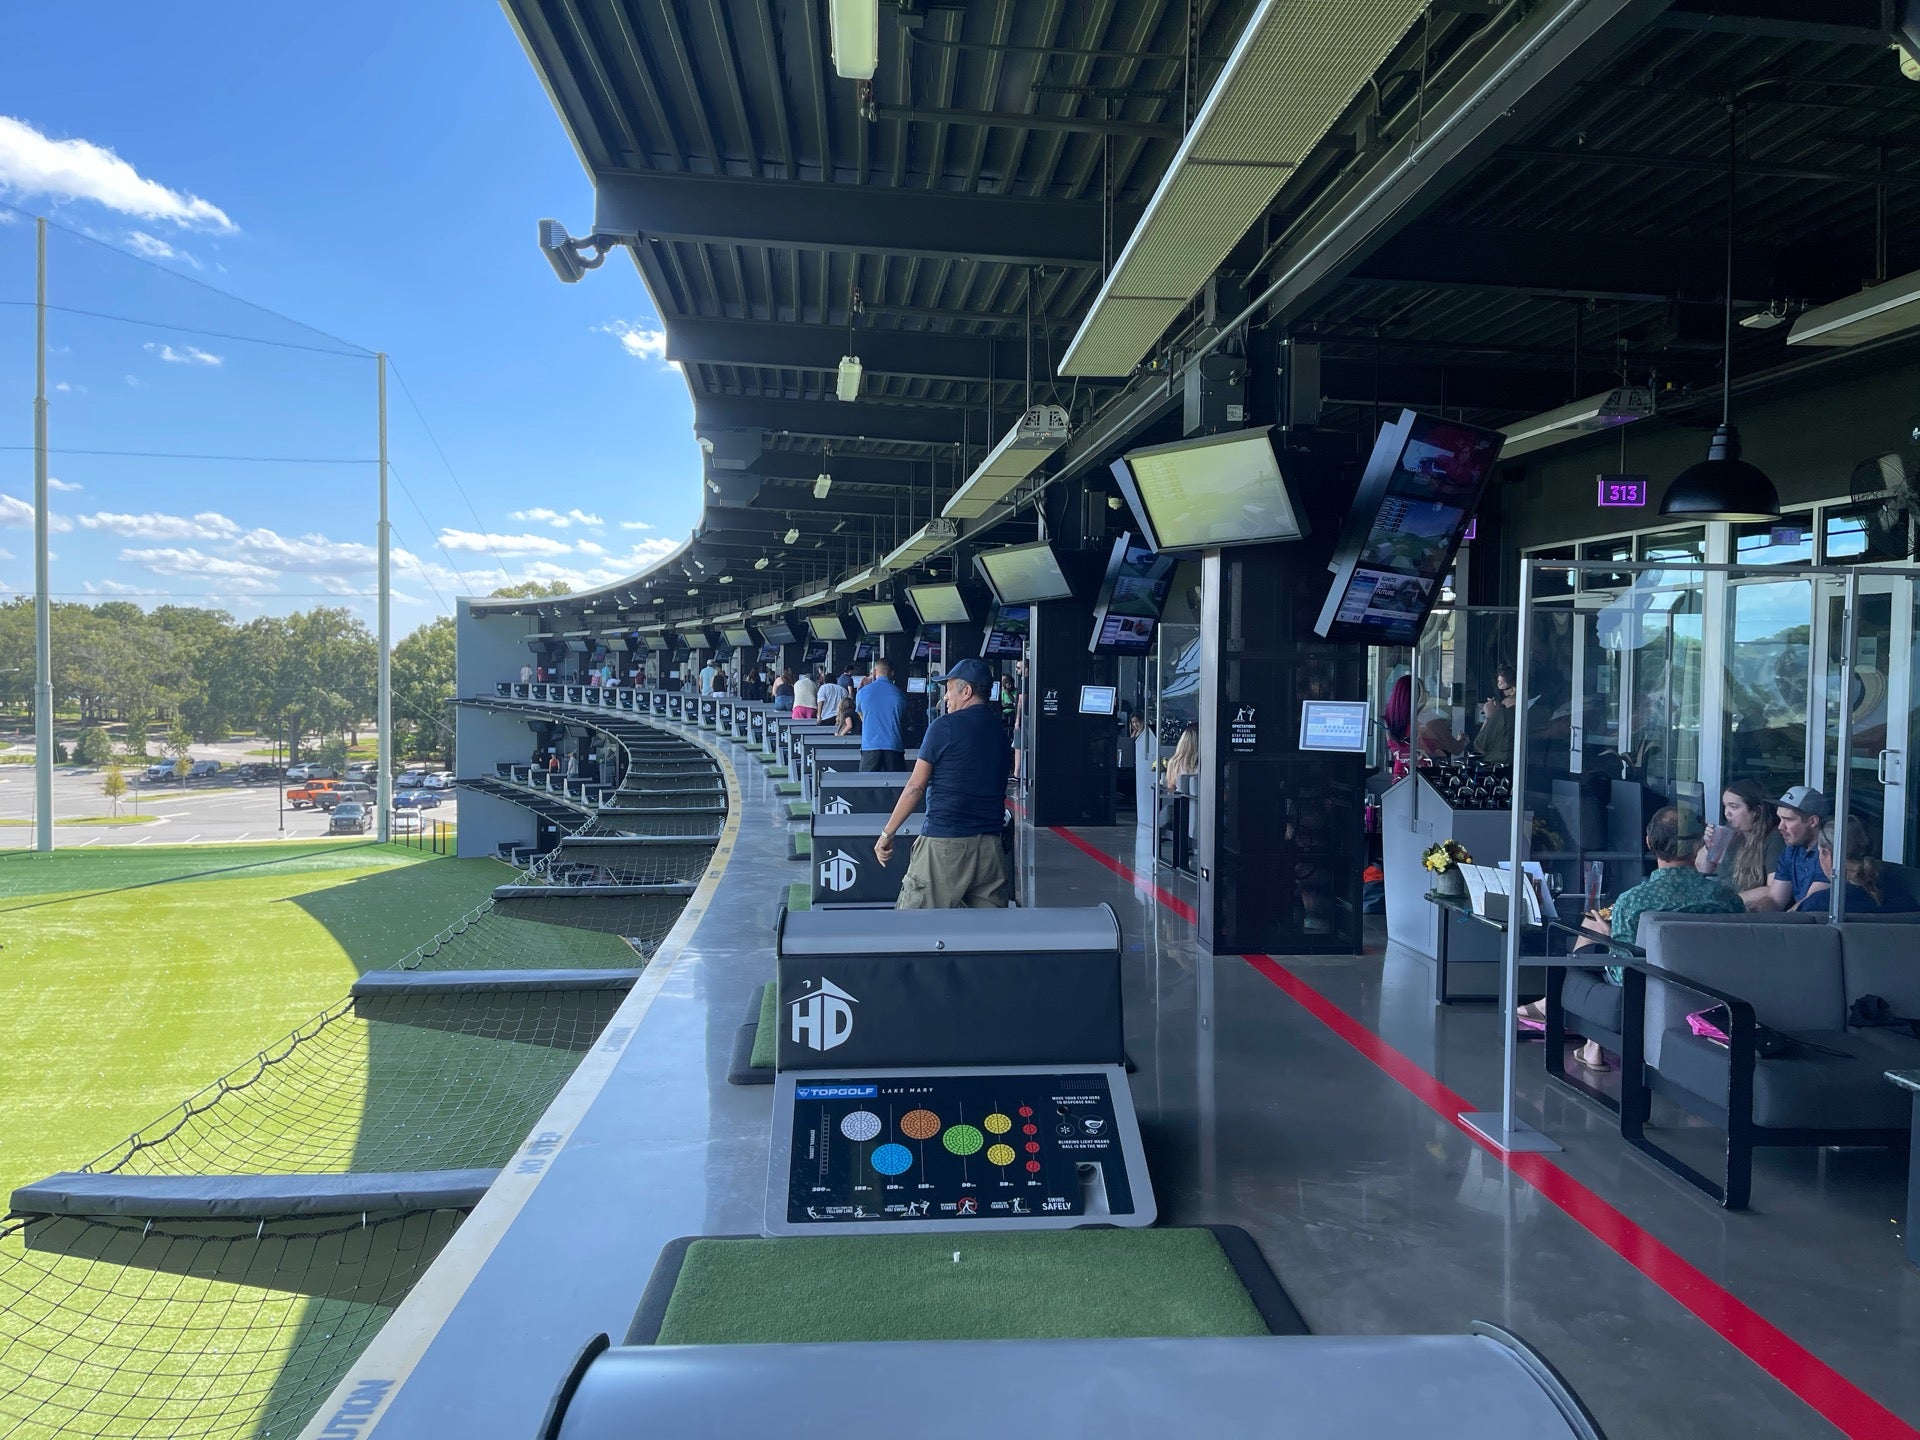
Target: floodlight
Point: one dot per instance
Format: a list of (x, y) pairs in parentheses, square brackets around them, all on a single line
[(793, 535), (847, 385), (761, 563), (822, 483), (563, 252), (855, 28)]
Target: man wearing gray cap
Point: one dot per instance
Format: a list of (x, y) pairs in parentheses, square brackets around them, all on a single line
[(1803, 812), (957, 862)]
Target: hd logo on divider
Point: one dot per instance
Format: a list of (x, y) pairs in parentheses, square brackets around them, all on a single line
[(837, 805), (823, 1018), (839, 872)]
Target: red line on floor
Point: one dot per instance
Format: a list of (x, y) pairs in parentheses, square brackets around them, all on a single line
[(1854, 1412)]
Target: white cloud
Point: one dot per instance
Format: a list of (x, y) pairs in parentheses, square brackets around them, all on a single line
[(636, 525), (641, 341), (110, 587), (154, 248), (19, 514), (31, 163), (185, 355), (503, 545), (6, 555), (541, 515), (208, 525), (136, 382), (54, 482), (588, 547), (309, 554), (196, 564)]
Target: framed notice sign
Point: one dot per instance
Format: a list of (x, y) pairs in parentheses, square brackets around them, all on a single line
[(1338, 725)]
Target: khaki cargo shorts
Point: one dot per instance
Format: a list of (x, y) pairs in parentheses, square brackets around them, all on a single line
[(960, 872)]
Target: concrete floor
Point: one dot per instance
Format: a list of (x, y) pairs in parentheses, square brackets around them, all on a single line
[(1307, 1100)]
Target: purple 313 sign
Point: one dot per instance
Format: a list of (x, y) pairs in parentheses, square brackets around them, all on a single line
[(1628, 492)]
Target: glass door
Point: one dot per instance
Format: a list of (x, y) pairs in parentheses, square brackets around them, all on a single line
[(1769, 664), (1880, 701)]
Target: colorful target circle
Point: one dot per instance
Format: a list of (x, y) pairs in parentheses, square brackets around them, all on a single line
[(963, 1139), (891, 1159), (860, 1125), (920, 1125), (997, 1124), (1033, 1167), (1000, 1154), (1033, 1147)]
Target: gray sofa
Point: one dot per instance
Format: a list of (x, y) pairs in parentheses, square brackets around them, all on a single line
[(1798, 977)]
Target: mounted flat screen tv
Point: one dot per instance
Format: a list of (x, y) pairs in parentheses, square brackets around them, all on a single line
[(1006, 637), (926, 646), (939, 604), (1024, 574), (769, 653), (864, 650), (778, 632), (1218, 490), (737, 635), (1132, 594), (816, 654), (880, 619), (698, 639), (827, 627), (1418, 494)]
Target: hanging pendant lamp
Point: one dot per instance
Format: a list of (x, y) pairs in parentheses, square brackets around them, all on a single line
[(1723, 486)]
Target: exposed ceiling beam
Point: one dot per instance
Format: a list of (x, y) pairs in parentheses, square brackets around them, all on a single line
[(800, 466), (1558, 46), (832, 419), (1469, 387), (1070, 124), (635, 206), (1708, 165), (1577, 267), (819, 347), (1863, 27)]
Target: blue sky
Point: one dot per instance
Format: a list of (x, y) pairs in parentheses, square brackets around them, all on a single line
[(371, 173)]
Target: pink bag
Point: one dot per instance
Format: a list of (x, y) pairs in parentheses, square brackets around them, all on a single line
[(1701, 1022)]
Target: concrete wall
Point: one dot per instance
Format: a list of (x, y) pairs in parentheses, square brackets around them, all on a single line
[(1808, 440)]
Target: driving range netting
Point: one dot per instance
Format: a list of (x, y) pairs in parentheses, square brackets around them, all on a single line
[(119, 1329)]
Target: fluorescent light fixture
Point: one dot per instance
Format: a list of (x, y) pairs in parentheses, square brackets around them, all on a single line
[(934, 536), (1618, 406), (793, 535), (1767, 319), (847, 384), (659, 599), (855, 27), (761, 563), (1023, 449), (1877, 311), (726, 579), (864, 580), (822, 483), (818, 597)]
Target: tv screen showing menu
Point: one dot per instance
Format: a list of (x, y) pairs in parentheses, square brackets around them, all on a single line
[(1006, 637), (827, 627), (737, 635), (927, 647), (939, 604), (1024, 574), (1132, 594), (1220, 490), (1418, 494), (769, 653), (880, 619)]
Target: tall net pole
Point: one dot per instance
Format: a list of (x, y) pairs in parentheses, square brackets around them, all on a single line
[(383, 718), (42, 585)]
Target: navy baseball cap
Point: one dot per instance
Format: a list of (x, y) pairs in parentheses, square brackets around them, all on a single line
[(975, 673)]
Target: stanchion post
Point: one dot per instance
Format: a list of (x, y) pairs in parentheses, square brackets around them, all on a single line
[(42, 584)]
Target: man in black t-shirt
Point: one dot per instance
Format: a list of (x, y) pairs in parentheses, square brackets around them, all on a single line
[(957, 862)]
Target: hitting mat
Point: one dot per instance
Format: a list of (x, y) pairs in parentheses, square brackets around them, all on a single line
[(1022, 1284)]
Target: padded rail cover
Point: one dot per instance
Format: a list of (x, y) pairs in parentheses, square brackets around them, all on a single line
[(1304, 1387), (397, 983), (248, 1197), (575, 892)]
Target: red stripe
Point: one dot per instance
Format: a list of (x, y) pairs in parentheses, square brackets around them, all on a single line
[(1849, 1408)]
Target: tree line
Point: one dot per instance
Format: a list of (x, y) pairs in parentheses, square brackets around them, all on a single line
[(307, 679)]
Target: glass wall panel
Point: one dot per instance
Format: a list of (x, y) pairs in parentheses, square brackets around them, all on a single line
[(1786, 541), (1767, 667)]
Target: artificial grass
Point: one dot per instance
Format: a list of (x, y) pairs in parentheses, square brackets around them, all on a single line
[(799, 896), (802, 846), (787, 787), (798, 810), (1012, 1285), (766, 1039), (767, 760)]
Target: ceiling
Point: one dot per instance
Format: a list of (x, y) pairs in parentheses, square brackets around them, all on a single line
[(1525, 204)]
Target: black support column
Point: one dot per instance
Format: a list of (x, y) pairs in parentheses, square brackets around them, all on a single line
[(1073, 754)]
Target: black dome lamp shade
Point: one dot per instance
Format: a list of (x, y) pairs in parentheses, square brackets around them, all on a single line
[(1723, 486)]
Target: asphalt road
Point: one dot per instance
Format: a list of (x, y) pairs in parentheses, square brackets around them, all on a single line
[(210, 812)]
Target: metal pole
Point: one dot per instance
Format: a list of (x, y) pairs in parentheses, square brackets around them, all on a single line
[(42, 585), (383, 718), (1843, 759), (1502, 1130)]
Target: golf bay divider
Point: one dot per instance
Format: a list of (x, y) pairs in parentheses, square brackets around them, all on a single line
[(855, 792), (952, 1070), (846, 873)]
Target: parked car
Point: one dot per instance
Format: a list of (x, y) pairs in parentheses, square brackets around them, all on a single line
[(440, 780), (421, 799), (156, 773), (341, 792), (409, 779), (312, 771), (350, 818), (310, 792), (203, 769)]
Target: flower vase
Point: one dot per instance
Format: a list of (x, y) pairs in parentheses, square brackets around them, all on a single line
[(1450, 882)]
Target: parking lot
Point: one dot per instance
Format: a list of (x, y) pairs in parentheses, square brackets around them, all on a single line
[(213, 811)]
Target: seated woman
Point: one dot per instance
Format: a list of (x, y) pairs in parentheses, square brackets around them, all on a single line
[(1673, 838), (1748, 843), (1865, 894)]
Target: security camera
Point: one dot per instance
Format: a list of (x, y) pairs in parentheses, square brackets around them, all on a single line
[(564, 253)]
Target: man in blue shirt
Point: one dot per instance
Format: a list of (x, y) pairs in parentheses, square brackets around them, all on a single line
[(957, 862), (882, 714), (1803, 812)]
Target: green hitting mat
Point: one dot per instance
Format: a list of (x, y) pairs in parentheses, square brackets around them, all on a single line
[(1004, 1285)]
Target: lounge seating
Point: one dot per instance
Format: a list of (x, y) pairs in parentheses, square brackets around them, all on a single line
[(1798, 979)]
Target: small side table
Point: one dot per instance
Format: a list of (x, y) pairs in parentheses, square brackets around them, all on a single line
[(1910, 1080)]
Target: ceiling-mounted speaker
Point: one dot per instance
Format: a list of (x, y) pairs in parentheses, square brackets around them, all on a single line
[(1300, 391)]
